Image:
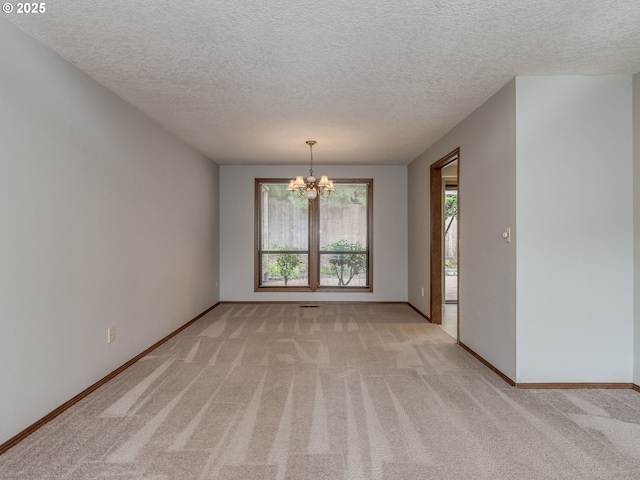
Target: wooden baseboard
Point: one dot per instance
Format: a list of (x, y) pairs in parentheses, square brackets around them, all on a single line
[(553, 385), (488, 365), (575, 385), (420, 313), (307, 302), (50, 416)]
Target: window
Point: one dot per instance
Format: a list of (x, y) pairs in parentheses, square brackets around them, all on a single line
[(323, 244)]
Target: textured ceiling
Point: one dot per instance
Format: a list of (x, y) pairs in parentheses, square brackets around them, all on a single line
[(373, 81)]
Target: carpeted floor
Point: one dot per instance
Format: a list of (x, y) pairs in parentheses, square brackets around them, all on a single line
[(369, 391)]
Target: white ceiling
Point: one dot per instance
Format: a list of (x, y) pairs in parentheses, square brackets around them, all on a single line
[(373, 81)]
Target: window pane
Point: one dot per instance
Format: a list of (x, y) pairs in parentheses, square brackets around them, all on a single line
[(343, 230), (343, 269), (343, 216), (284, 270), (284, 219)]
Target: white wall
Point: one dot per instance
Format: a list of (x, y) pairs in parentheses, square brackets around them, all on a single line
[(487, 205), (389, 232), (105, 220), (575, 229), (636, 210), (419, 242)]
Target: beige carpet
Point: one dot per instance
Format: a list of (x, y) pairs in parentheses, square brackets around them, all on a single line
[(337, 392)]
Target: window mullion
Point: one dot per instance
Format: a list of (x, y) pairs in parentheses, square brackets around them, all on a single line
[(314, 256)]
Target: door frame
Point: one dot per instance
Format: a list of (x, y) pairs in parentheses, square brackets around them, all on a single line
[(437, 186)]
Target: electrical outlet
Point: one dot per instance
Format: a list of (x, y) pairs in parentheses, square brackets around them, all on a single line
[(111, 334), (423, 291)]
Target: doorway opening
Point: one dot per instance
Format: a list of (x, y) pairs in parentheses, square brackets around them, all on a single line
[(450, 254), (444, 242), (450, 242)]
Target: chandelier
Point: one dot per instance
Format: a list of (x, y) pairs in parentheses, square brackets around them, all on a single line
[(311, 187)]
